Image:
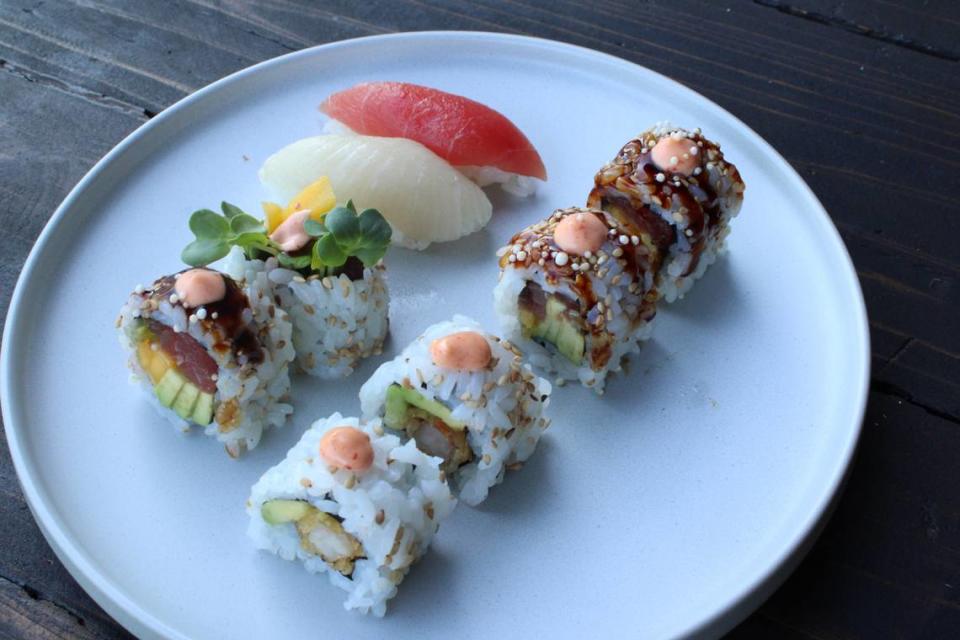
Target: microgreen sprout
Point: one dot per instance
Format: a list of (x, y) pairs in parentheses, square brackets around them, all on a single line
[(342, 234)]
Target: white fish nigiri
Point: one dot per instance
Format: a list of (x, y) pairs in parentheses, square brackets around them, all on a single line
[(422, 197)]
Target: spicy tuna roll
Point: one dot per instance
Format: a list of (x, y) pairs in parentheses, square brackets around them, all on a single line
[(677, 182), (464, 396), (206, 354), (322, 266), (351, 501), (576, 292)]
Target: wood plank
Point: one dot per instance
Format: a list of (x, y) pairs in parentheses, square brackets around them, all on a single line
[(25, 613), (910, 26), (886, 566)]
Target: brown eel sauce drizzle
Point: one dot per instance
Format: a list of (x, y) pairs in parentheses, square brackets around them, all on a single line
[(617, 192), (224, 318)]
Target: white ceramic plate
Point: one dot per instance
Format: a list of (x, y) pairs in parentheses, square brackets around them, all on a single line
[(670, 506)]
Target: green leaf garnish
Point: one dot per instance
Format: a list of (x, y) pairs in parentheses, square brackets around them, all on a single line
[(207, 224), (242, 223), (203, 251), (314, 228), (342, 234), (230, 210), (293, 262)]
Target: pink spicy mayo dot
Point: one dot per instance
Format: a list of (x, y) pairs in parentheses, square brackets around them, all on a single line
[(197, 287), (347, 448), (291, 235), (579, 233), (463, 351), (676, 155)]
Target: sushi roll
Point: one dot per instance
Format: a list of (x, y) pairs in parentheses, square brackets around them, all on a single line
[(679, 183), (577, 292), (351, 501), (322, 266), (464, 396), (208, 354)]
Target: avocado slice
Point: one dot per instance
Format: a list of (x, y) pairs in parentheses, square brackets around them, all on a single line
[(203, 410), (140, 332), (280, 511), (400, 399), (185, 400), (558, 329), (169, 386)]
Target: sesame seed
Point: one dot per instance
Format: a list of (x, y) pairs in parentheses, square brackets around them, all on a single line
[(611, 232), (214, 377), (562, 259), (697, 171), (587, 254), (214, 315), (694, 151), (617, 252), (192, 318), (624, 240), (660, 177), (689, 232), (154, 346), (674, 160), (541, 262), (512, 258), (138, 289), (634, 240), (174, 298), (202, 313), (522, 255)]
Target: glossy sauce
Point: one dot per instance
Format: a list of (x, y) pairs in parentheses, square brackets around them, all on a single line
[(224, 318)]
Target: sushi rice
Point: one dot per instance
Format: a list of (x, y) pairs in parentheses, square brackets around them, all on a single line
[(336, 321), (612, 293), (255, 391), (392, 510), (502, 406), (696, 208)]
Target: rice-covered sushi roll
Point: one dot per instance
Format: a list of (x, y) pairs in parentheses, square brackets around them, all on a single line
[(351, 501), (679, 183), (322, 266), (208, 354), (577, 292), (464, 396), (338, 319)]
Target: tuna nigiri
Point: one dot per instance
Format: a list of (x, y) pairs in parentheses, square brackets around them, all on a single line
[(481, 142), (422, 197)]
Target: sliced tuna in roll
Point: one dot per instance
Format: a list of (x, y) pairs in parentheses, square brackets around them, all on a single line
[(678, 183), (351, 501), (576, 292), (465, 396), (208, 355)]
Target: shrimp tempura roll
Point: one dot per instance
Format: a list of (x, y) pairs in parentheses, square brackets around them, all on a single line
[(208, 355), (464, 396), (352, 502), (678, 183), (577, 293)]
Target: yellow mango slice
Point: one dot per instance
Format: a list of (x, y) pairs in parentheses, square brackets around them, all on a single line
[(316, 196), (275, 215), (155, 363)]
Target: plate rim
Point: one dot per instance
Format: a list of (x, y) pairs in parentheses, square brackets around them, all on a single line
[(137, 619)]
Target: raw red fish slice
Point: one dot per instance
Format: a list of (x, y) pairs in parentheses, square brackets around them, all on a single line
[(192, 359), (461, 131)]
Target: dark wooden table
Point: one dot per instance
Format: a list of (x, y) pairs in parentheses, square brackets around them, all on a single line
[(861, 97)]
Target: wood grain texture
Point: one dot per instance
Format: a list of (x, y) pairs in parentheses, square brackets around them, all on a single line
[(860, 97)]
